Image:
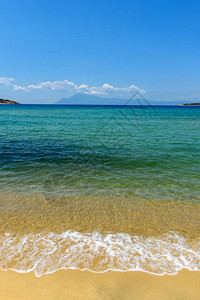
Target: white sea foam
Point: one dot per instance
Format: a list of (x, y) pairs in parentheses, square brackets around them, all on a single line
[(47, 253)]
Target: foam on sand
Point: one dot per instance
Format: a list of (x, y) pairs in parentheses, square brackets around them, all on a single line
[(47, 253)]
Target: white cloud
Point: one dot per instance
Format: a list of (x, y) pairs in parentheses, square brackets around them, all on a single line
[(69, 87), (83, 86), (6, 81), (107, 86), (55, 85)]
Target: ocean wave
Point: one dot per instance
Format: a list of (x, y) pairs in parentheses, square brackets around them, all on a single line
[(46, 253)]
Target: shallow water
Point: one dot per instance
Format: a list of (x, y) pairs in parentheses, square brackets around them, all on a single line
[(99, 188)]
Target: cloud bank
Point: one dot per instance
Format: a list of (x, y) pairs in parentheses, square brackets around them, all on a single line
[(71, 88), (5, 81)]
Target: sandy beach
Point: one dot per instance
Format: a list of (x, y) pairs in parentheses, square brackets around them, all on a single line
[(78, 192), (73, 284)]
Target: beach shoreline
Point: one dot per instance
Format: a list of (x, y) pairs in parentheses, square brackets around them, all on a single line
[(75, 284)]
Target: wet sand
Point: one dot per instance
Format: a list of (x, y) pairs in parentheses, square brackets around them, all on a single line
[(73, 284)]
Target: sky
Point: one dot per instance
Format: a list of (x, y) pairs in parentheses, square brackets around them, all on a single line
[(54, 49)]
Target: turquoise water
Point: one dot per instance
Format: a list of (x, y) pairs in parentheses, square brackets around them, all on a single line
[(140, 152), (99, 188)]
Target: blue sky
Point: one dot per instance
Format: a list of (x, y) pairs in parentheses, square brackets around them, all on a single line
[(53, 49)]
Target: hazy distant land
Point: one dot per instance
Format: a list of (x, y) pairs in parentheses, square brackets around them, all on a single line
[(86, 99)]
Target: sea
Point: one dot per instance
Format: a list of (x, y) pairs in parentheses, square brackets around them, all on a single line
[(99, 188)]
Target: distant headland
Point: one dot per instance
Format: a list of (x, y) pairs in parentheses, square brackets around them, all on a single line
[(86, 99), (3, 101), (191, 104)]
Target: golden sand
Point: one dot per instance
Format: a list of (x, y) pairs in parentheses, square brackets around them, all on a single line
[(77, 285)]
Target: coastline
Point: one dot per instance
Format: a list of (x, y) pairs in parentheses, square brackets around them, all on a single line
[(70, 204), (75, 284)]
